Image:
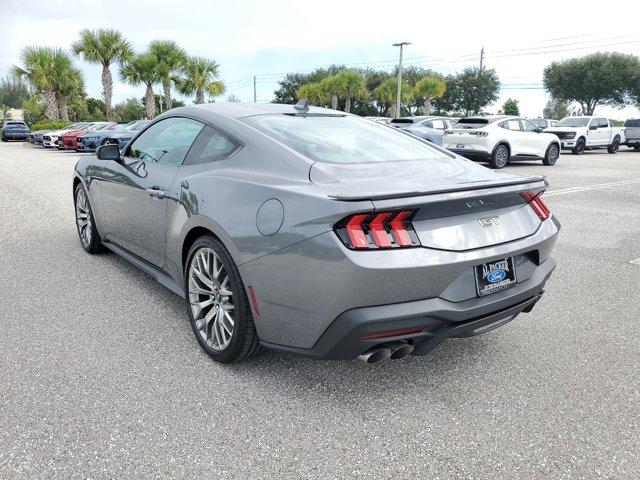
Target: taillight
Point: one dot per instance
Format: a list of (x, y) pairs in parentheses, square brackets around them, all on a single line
[(535, 202), (369, 231)]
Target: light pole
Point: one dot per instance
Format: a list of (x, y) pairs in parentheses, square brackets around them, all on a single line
[(401, 44)]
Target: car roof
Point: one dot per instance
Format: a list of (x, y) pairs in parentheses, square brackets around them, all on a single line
[(239, 110)]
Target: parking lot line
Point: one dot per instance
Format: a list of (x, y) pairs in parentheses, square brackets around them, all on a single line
[(597, 186)]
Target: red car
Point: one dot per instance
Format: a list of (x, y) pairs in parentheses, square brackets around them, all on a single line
[(69, 141)]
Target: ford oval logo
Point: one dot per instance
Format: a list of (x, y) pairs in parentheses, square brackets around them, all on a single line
[(496, 276)]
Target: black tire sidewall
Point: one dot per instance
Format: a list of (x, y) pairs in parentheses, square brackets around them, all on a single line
[(96, 243), (614, 147), (234, 351), (494, 162), (546, 160), (576, 150)]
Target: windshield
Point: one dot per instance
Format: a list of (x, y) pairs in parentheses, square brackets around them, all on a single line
[(632, 123), (343, 139), (573, 122)]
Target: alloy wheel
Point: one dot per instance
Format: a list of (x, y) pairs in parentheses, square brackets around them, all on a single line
[(83, 218), (211, 299), (554, 153), (502, 156)]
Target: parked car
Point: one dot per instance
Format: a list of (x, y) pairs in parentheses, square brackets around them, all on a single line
[(14, 130), (501, 139), (316, 232), (69, 140), (123, 137), (50, 139), (632, 133), (544, 122), (93, 139), (430, 128), (36, 137), (582, 133)]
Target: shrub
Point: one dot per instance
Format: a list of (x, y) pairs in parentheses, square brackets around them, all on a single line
[(50, 125)]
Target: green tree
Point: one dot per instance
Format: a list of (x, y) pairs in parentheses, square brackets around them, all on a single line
[(314, 93), (331, 85), (289, 85), (69, 87), (41, 67), (104, 47), (143, 70), (475, 89), (13, 91), (556, 109), (96, 109), (448, 102), (198, 75), (171, 58), (33, 109), (596, 79), (429, 88), (387, 93), (510, 107), (128, 111), (351, 85)]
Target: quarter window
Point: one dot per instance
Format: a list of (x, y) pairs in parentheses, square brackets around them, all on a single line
[(167, 141), (527, 126), (211, 145), (438, 124)]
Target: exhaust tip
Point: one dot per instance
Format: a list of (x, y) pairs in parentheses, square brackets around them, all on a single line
[(401, 351), (375, 355)]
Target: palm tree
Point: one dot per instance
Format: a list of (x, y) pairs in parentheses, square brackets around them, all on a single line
[(104, 46), (143, 70), (69, 85), (351, 85), (171, 58), (332, 87), (314, 93), (40, 67), (198, 76), (387, 92), (429, 88)]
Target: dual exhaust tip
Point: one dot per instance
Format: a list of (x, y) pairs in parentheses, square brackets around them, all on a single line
[(386, 351)]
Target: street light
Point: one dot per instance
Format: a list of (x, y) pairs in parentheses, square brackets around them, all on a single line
[(401, 44)]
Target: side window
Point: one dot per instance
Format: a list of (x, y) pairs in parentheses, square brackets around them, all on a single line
[(527, 126), (513, 125), (166, 142), (504, 125), (603, 123), (438, 124), (593, 122), (211, 145), (427, 124)]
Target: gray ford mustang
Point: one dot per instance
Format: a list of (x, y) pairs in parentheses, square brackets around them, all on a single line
[(316, 232)]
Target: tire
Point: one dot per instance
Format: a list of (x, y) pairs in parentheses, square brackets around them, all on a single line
[(500, 156), (636, 147), (89, 237), (614, 147), (4, 139), (552, 155), (580, 147), (212, 333)]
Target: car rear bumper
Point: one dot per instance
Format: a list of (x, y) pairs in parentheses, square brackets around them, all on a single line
[(15, 135), (438, 318)]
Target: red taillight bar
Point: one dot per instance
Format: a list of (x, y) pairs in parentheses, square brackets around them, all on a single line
[(365, 231), (535, 202)]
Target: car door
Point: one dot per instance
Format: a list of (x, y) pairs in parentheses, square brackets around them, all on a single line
[(594, 133), (514, 136), (135, 189), (534, 143), (604, 132)]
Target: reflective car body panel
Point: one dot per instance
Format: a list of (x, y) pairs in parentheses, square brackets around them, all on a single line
[(275, 209)]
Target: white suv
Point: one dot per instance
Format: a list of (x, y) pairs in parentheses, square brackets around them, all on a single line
[(500, 139)]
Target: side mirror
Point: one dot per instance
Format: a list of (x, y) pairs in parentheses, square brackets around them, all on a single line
[(108, 152), (593, 127)]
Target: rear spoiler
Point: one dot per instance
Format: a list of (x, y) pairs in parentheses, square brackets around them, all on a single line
[(539, 182)]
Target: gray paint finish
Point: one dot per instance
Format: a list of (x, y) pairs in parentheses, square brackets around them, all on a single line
[(274, 209)]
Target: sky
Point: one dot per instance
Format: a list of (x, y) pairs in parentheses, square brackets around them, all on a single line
[(270, 38)]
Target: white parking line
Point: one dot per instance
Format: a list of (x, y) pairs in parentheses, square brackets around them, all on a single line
[(597, 186)]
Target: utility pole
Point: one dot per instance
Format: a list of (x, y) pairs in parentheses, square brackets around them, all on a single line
[(401, 44), (255, 95), (481, 57)]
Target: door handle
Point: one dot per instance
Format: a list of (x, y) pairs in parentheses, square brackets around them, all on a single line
[(156, 192)]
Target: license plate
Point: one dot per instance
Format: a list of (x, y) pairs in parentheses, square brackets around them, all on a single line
[(492, 277), (460, 145)]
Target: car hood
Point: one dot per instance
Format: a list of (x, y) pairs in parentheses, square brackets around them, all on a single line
[(75, 133), (99, 133), (407, 178)]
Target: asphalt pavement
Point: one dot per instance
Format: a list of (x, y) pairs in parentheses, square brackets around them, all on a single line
[(101, 376)]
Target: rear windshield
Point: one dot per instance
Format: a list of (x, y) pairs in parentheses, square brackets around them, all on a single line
[(402, 120), (343, 139), (472, 122), (16, 124), (635, 122), (573, 122)]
